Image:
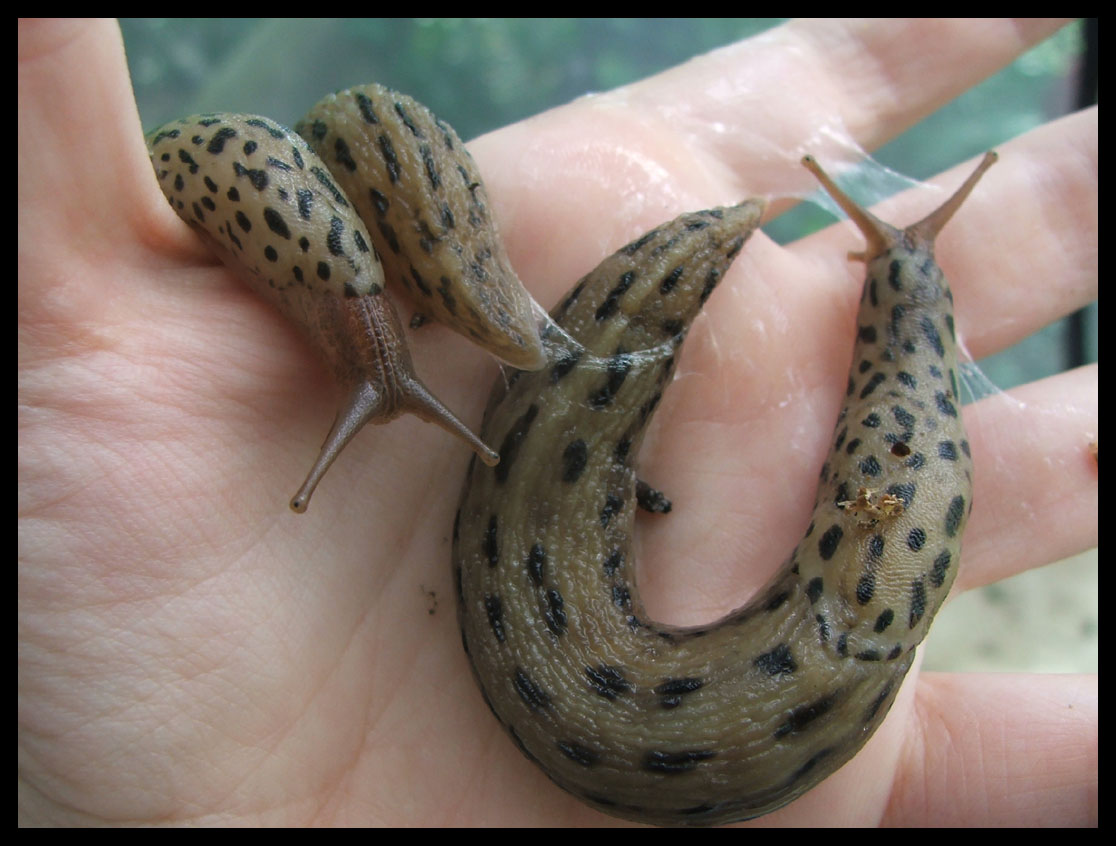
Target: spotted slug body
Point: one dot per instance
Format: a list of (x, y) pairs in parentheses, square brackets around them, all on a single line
[(421, 196), (729, 721), (268, 206)]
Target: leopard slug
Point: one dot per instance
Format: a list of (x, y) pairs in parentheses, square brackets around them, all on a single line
[(265, 202), (729, 721), (420, 194)]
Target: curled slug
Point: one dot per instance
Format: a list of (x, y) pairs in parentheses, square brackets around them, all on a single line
[(266, 203), (729, 721), (421, 196)]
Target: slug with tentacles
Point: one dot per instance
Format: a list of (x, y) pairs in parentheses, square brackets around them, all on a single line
[(271, 209), (729, 721), (655, 723)]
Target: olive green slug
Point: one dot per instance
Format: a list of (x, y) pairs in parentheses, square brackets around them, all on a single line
[(269, 207), (732, 720)]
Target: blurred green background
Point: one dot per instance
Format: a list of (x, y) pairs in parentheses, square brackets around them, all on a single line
[(502, 70)]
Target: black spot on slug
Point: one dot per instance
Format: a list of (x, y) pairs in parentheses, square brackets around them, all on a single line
[(931, 334), (829, 542), (865, 588), (532, 694), (873, 383), (379, 202), (566, 362), (635, 246), (814, 589), (343, 155), (333, 239), (390, 159), (608, 681), (915, 539), (939, 569), (431, 166), (875, 547), (945, 404), (802, 771), (954, 515), (275, 223), (367, 108), (216, 144), (536, 564), (870, 467), (675, 763), (613, 562), (555, 613), (883, 620), (612, 302), (878, 703), (779, 661), (711, 281), (258, 178), (612, 506), (574, 459), (670, 692), (918, 601), (495, 610), (509, 449), (800, 718), (618, 367), (577, 753), (671, 279), (305, 199)]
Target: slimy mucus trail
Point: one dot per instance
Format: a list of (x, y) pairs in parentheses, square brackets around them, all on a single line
[(732, 720)]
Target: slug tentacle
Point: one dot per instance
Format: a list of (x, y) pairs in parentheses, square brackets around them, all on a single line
[(265, 202), (382, 385), (723, 722)]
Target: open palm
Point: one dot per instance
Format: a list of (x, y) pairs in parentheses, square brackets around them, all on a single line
[(192, 652)]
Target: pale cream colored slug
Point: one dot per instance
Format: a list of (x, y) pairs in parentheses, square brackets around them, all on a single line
[(268, 206), (732, 720), (422, 198)]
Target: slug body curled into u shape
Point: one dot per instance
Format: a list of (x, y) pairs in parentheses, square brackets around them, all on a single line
[(728, 721)]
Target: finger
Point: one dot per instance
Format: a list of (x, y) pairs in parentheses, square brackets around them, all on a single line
[(884, 86), (977, 762), (1036, 485), (727, 125), (807, 81), (79, 143)]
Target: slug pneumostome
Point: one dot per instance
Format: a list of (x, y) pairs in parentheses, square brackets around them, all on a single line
[(728, 721), (650, 722)]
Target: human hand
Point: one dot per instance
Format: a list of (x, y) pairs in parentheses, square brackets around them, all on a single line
[(191, 652)]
